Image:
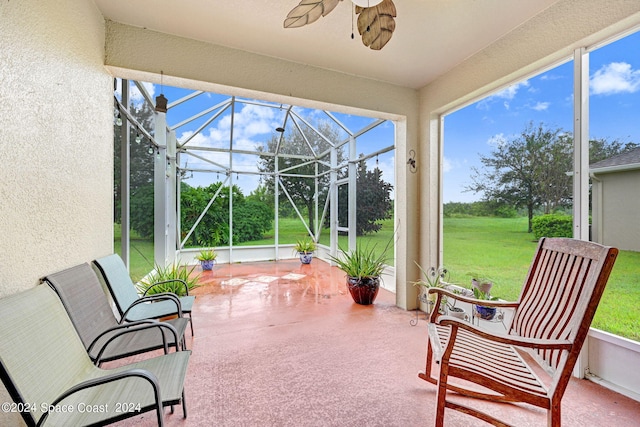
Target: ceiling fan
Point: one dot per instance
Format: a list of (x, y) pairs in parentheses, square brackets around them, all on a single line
[(376, 21)]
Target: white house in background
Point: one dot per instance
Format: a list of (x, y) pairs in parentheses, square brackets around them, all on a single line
[(616, 200)]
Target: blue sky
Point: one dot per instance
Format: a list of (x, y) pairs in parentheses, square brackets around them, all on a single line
[(614, 111), (254, 125)]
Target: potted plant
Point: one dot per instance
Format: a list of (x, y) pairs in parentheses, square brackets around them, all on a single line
[(481, 311), (363, 267), (207, 258), (433, 278), (173, 278), (305, 247), (483, 284)]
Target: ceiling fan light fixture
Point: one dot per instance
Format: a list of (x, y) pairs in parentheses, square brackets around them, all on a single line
[(366, 3)]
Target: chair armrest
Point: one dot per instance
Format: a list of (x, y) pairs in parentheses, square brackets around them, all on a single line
[(544, 344), (116, 376), (155, 297), (132, 327), (186, 287), (446, 293)]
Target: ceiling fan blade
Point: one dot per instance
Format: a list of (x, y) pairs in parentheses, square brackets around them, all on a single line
[(309, 11), (376, 24)]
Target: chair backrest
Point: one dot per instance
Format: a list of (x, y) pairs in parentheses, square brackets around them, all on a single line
[(40, 351), (560, 295), (85, 301), (118, 281)]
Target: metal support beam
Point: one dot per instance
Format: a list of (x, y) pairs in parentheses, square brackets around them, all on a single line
[(353, 206), (581, 145), (581, 167), (333, 203), (125, 178), (171, 197), (160, 229)]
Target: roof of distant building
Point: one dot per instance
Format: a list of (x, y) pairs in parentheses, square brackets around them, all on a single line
[(623, 161)]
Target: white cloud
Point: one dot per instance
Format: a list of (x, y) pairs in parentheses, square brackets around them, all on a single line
[(446, 165), (507, 94), (541, 106), (496, 140), (511, 91), (135, 96), (616, 77)]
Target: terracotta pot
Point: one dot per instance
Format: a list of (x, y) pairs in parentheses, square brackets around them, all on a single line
[(363, 290)]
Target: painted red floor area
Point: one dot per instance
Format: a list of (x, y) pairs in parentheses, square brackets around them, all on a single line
[(283, 344)]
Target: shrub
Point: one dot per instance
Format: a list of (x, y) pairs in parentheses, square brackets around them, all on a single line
[(552, 225), (170, 272)]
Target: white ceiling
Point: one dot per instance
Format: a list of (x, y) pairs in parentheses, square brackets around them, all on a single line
[(431, 36)]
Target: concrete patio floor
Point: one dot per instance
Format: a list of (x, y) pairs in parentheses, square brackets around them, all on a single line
[(283, 344)]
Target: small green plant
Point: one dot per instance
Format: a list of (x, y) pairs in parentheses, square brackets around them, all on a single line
[(434, 278), (484, 296), (361, 262), (173, 277), (483, 284), (305, 246), (207, 255)]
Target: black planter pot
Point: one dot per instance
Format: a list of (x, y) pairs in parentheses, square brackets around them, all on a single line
[(363, 290)]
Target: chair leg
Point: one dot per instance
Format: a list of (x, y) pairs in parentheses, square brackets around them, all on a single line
[(554, 418), (441, 397), (191, 323), (426, 375), (184, 405)]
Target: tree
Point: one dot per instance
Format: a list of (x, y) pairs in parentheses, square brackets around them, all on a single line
[(529, 171), (600, 149), (251, 217), (373, 197), (532, 170), (301, 188), (141, 162)]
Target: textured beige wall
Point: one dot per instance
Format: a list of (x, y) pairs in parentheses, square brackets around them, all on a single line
[(539, 43), (56, 142), (56, 139), (136, 53)]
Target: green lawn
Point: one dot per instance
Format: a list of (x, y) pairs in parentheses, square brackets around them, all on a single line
[(140, 253), (501, 249), (291, 229)]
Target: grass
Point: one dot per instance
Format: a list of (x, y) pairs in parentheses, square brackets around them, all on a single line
[(291, 230), (140, 253), (501, 249)]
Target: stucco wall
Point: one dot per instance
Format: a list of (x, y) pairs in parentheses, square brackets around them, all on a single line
[(56, 139), (616, 203), (548, 38), (140, 54), (56, 142)]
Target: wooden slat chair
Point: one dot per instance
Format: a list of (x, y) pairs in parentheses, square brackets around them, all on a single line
[(550, 321), (49, 375)]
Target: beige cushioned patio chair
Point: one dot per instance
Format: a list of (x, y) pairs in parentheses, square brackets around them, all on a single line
[(103, 336), (44, 366), (134, 307), (550, 322)]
